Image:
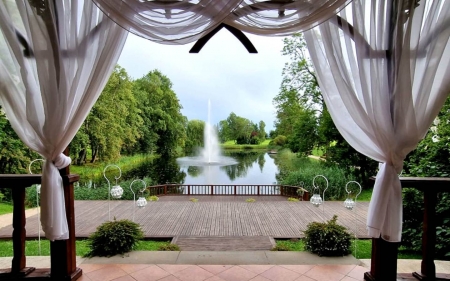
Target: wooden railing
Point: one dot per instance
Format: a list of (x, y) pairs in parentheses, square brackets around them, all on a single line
[(62, 252), (197, 189)]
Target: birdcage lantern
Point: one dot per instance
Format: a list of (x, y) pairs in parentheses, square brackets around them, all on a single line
[(316, 199), (141, 202), (116, 191)]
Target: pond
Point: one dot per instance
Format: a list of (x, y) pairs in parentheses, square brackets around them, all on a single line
[(253, 167)]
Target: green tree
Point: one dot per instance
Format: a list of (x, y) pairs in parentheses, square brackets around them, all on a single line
[(112, 123), (194, 134), (163, 129), (300, 104), (304, 136), (15, 156), (262, 130)]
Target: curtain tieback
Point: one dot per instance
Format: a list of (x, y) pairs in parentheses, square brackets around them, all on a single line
[(61, 161)]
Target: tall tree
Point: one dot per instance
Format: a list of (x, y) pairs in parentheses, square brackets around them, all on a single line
[(164, 125), (262, 130), (113, 121), (298, 106), (15, 156), (194, 134)]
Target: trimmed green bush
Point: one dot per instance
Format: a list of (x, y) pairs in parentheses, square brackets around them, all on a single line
[(327, 239), (114, 238)]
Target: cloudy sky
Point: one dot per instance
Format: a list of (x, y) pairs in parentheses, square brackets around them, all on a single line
[(223, 72)]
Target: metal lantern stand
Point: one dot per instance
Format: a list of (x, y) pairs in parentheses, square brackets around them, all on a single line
[(141, 202), (316, 200), (38, 192), (116, 191), (350, 204)]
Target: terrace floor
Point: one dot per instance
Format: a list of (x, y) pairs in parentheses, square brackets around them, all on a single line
[(212, 216)]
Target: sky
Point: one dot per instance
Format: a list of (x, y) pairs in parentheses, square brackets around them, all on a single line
[(223, 72)]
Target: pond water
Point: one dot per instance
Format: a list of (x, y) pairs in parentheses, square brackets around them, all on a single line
[(253, 167)]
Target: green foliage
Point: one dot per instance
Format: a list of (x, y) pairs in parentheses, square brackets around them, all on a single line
[(429, 159), (112, 124), (301, 172), (304, 135), (193, 200), (289, 245), (153, 198), (114, 237), (6, 208), (412, 222), (280, 140), (169, 247), (339, 152), (250, 200), (88, 193), (327, 239), (194, 135), (15, 156), (240, 129), (292, 199), (163, 128)]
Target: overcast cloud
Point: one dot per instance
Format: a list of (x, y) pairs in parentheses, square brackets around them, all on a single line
[(223, 71)]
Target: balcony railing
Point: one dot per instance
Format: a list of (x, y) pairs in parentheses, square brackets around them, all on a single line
[(198, 189)]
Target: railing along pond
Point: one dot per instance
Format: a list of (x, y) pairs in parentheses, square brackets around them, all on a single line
[(197, 189)]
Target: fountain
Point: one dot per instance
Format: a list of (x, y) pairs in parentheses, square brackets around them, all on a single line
[(210, 154)]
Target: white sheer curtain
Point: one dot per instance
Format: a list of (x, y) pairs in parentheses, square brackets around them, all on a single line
[(181, 22), (384, 78), (56, 57)]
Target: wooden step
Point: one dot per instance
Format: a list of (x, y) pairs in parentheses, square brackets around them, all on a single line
[(224, 243)]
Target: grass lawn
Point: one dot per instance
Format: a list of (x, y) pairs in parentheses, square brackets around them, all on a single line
[(362, 250), (365, 195), (5, 208), (32, 247)]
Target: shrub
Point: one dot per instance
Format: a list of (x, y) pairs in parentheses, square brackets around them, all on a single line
[(301, 172), (114, 237), (169, 247), (327, 239), (292, 199), (153, 198), (280, 140)]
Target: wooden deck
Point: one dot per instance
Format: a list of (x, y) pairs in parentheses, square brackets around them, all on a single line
[(173, 216)]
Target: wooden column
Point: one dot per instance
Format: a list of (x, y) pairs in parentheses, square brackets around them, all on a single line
[(383, 265), (63, 252), (18, 184), (428, 268)]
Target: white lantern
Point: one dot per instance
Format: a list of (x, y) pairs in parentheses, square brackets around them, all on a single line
[(316, 200), (116, 191), (349, 203), (141, 202)]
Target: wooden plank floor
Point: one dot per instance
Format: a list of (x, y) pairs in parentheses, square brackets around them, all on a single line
[(174, 216)]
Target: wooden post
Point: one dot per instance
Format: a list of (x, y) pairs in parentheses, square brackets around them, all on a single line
[(63, 252), (189, 190), (258, 189), (428, 268), (235, 190), (212, 190), (165, 189), (383, 265), (19, 233)]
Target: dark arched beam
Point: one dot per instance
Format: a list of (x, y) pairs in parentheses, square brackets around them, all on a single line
[(236, 32)]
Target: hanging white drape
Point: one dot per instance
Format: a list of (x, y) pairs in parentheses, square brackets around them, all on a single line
[(384, 78), (181, 22), (55, 60)]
